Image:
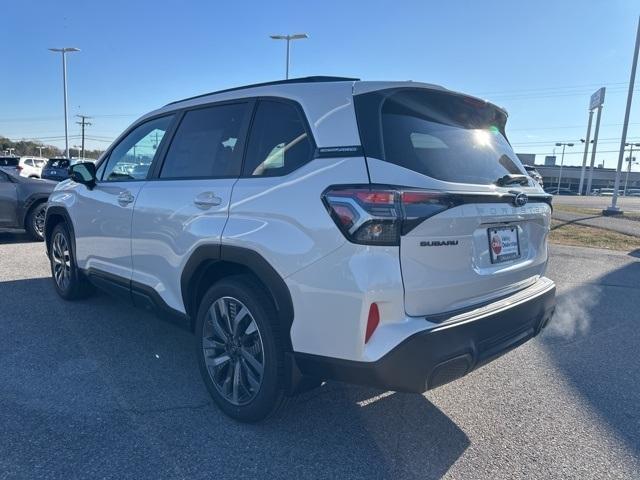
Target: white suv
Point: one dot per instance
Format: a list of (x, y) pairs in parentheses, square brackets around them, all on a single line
[(31, 166), (381, 233)]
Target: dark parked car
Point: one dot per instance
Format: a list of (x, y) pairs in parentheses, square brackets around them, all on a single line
[(9, 162), (56, 169), (23, 202)]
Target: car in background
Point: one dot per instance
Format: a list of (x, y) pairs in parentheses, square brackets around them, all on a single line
[(607, 192), (533, 173), (562, 191), (23, 202), (633, 192), (56, 169), (9, 162), (31, 167)]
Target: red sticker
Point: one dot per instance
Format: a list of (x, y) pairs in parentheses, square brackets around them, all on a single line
[(496, 244)]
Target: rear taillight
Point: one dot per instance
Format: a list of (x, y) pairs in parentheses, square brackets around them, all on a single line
[(373, 215), (19, 168)]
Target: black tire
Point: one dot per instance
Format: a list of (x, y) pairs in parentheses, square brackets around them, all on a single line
[(75, 286), (266, 399), (34, 221)]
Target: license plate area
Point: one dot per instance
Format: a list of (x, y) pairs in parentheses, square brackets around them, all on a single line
[(504, 243)]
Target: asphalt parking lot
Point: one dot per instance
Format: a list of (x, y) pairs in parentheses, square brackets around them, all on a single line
[(98, 390)]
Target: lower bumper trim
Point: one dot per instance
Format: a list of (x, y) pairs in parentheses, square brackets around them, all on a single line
[(432, 358)]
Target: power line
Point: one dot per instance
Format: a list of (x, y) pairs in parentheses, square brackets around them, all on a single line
[(561, 87), (566, 126)]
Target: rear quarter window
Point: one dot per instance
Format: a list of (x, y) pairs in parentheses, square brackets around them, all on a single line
[(279, 142)]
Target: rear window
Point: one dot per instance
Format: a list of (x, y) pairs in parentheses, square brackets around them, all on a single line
[(442, 135), (9, 161), (58, 163)]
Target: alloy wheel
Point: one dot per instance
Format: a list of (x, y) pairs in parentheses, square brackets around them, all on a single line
[(38, 221), (233, 350), (61, 258)]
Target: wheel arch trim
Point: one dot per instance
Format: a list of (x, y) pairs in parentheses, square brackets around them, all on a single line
[(58, 211), (205, 255)]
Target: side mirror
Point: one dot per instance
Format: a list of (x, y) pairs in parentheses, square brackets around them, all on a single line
[(84, 173)]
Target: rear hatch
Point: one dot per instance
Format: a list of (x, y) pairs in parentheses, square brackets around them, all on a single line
[(56, 168), (487, 237)]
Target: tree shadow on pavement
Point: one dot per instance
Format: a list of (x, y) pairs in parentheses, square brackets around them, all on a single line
[(96, 388)]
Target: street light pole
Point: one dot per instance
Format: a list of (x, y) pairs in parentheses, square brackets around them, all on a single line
[(64, 51), (563, 145), (288, 38)]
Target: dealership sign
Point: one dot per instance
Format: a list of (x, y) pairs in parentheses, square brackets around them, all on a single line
[(597, 99)]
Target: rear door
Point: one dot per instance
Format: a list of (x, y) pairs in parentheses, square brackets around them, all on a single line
[(486, 243), (186, 203), (102, 216)]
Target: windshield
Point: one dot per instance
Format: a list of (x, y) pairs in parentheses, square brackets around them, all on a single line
[(439, 134)]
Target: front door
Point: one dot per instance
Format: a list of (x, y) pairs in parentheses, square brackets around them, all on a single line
[(102, 218)]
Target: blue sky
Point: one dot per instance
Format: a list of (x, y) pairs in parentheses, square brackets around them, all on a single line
[(539, 59)]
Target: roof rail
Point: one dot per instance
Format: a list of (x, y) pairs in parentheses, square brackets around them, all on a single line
[(313, 79)]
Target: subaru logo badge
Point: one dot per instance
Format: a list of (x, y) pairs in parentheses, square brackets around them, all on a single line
[(520, 200)]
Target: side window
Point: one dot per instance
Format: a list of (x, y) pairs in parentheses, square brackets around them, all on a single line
[(207, 143), (132, 157), (29, 162), (278, 143)]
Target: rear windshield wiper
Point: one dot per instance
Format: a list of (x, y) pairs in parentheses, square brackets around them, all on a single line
[(511, 179)]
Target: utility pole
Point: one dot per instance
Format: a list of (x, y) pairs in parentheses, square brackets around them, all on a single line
[(613, 209), (631, 160), (40, 151), (83, 123)]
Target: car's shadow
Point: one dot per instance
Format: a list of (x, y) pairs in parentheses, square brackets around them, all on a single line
[(14, 236), (115, 387)]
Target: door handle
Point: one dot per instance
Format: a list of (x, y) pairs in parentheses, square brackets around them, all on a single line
[(207, 200), (125, 198)]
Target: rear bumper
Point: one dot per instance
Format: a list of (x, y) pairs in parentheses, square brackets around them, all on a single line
[(450, 350)]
